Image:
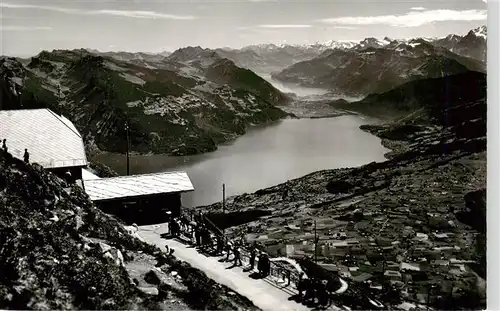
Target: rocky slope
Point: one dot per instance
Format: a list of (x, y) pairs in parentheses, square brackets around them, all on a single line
[(57, 251), (375, 66), (424, 207), (178, 104)]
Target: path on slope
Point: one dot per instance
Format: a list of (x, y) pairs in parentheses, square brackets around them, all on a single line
[(263, 294)]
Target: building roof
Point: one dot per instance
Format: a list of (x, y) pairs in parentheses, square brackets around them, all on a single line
[(87, 175), (362, 277), (52, 140), (410, 266), (137, 185)]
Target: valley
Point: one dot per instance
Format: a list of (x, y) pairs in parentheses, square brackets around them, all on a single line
[(269, 154)]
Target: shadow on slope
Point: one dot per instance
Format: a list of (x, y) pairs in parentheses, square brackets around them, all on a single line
[(231, 219), (433, 95)]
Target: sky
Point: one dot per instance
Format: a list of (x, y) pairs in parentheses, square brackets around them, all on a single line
[(30, 26)]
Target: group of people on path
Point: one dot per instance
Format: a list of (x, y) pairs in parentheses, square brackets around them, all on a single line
[(311, 290), (207, 240)]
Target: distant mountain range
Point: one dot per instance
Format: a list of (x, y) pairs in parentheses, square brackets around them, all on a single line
[(353, 68), (188, 101), (185, 103), (268, 58), (374, 65)]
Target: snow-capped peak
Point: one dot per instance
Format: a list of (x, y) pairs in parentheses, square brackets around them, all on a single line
[(388, 40), (374, 42), (340, 44), (480, 32)]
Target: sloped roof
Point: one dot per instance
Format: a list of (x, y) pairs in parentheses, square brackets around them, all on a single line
[(362, 277), (137, 185), (52, 140), (88, 175)]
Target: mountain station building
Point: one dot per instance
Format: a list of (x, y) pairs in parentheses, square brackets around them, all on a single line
[(140, 199), (51, 140)]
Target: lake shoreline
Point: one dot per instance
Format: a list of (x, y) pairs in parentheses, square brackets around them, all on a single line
[(265, 156), (313, 137)]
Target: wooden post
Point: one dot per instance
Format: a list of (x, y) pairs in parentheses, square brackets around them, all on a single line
[(315, 244), (223, 203), (128, 146), (429, 288)]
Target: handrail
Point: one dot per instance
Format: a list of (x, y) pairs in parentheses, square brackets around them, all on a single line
[(276, 269)]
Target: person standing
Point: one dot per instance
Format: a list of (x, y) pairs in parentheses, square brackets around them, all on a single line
[(4, 145), (203, 237), (26, 156), (228, 250), (322, 294), (264, 265), (253, 254), (260, 264), (237, 255), (301, 284), (220, 244), (175, 227), (267, 265), (309, 290), (197, 235), (207, 239), (168, 222)]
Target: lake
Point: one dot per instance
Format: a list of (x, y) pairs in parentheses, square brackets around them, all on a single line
[(265, 156)]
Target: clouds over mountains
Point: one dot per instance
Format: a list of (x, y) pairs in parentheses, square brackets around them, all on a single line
[(418, 16), (133, 25)]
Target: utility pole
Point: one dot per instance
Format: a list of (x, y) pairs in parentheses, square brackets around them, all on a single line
[(315, 244), (428, 296), (382, 254), (128, 146), (430, 287), (223, 203)]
